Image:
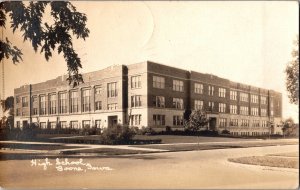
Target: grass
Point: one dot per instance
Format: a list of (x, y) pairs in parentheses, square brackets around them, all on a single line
[(282, 162), (191, 147), (188, 147), (106, 151), (35, 146), (287, 154)]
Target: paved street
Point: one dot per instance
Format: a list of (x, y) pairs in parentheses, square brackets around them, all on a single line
[(193, 169)]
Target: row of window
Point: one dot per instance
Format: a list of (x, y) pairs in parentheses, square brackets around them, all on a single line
[(86, 94), (178, 85), (244, 110), (63, 108), (243, 123), (249, 134)]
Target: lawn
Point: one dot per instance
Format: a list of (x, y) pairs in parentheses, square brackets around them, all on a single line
[(272, 161), (35, 146)]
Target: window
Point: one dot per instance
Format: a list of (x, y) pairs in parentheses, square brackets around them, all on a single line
[(211, 106), (233, 95), (136, 101), (245, 123), (43, 105), (86, 123), (74, 124), (244, 110), (158, 82), (98, 123), (52, 104), (98, 105), (86, 100), (234, 122), (159, 119), (222, 92), (98, 90), (254, 111), (223, 122), (17, 99), (112, 90), (211, 90), (74, 101), (177, 120), (24, 102), (198, 105), (159, 101), (263, 100), (198, 88), (112, 106), (35, 111), (254, 98), (233, 109), (18, 112), (263, 112), (178, 85), (222, 107), (62, 102), (52, 125), (178, 103), (244, 97), (271, 107), (63, 124), (43, 125), (264, 123), (135, 120), (255, 123), (18, 124), (136, 82)]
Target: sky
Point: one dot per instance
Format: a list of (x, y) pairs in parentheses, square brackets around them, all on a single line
[(248, 42)]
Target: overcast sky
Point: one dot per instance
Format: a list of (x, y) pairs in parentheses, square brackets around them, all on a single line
[(248, 42)]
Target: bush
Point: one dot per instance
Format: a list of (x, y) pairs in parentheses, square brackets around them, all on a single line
[(117, 135), (145, 131), (225, 131), (29, 132)]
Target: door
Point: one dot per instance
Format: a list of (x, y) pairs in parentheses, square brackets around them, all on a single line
[(112, 121), (212, 123)]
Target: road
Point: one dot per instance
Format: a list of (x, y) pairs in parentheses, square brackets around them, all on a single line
[(184, 170)]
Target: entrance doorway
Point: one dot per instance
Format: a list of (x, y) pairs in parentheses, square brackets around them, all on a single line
[(212, 123), (112, 120), (24, 123)]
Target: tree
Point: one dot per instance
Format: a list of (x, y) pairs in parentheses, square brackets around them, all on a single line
[(287, 126), (198, 119), (27, 17), (292, 75), (8, 105)]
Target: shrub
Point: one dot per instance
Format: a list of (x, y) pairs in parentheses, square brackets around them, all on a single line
[(29, 131), (145, 131), (225, 131), (117, 134)]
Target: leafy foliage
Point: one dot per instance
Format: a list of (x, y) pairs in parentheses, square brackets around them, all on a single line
[(292, 75), (8, 105), (198, 120), (117, 135), (27, 18), (287, 126)]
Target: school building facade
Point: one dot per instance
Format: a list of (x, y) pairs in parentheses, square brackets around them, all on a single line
[(149, 94)]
